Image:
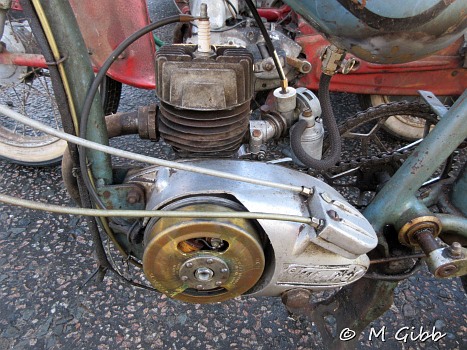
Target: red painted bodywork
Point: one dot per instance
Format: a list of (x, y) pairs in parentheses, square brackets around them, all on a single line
[(274, 14), (106, 23), (442, 73), (15, 5)]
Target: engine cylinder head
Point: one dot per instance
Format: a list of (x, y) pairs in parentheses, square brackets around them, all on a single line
[(205, 100)]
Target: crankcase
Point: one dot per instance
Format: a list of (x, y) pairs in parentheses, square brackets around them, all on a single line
[(296, 255)]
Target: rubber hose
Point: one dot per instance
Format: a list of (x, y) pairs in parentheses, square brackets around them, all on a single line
[(329, 122)]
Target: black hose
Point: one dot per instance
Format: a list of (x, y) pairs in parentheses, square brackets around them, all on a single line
[(329, 122), (88, 101)]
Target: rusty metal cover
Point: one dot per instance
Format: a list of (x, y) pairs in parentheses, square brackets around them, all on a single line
[(105, 24)]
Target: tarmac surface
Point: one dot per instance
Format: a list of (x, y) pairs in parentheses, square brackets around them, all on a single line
[(45, 260)]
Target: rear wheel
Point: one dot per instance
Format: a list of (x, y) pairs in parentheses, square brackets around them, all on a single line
[(28, 90)]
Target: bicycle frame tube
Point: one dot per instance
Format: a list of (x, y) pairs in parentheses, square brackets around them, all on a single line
[(396, 203), (78, 70)]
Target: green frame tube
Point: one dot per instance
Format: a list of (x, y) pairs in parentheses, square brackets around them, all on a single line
[(396, 203), (78, 69)]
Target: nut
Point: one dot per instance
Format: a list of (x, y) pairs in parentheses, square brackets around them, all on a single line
[(455, 250), (133, 197), (256, 133)]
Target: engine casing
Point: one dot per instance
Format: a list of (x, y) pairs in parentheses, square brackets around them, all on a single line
[(293, 255)]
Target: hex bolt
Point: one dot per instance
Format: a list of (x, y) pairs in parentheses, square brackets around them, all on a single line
[(204, 274), (133, 197), (256, 133), (296, 298), (455, 250), (268, 66)]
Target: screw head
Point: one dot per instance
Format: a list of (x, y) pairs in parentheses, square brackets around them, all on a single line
[(189, 264), (209, 261), (199, 286), (218, 283), (224, 270), (184, 278)]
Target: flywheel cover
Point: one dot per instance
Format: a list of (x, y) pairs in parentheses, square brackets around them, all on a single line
[(202, 276)]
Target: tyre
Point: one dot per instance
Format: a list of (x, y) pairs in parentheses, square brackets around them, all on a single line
[(28, 90)]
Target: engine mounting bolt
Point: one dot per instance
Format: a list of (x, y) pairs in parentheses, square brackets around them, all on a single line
[(218, 283), (256, 133), (184, 278), (268, 66), (224, 270), (189, 264), (209, 261), (133, 197), (455, 250)]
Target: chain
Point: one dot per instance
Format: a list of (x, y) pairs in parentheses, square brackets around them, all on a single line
[(414, 109)]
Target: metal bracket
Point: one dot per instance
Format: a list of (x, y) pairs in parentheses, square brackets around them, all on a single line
[(127, 196), (435, 104), (62, 59), (332, 60)]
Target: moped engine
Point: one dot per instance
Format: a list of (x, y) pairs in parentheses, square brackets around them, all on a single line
[(210, 259), (205, 93)]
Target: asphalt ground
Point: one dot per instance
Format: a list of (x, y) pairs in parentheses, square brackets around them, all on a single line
[(46, 259)]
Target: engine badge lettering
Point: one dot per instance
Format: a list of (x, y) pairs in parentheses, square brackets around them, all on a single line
[(319, 275)]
